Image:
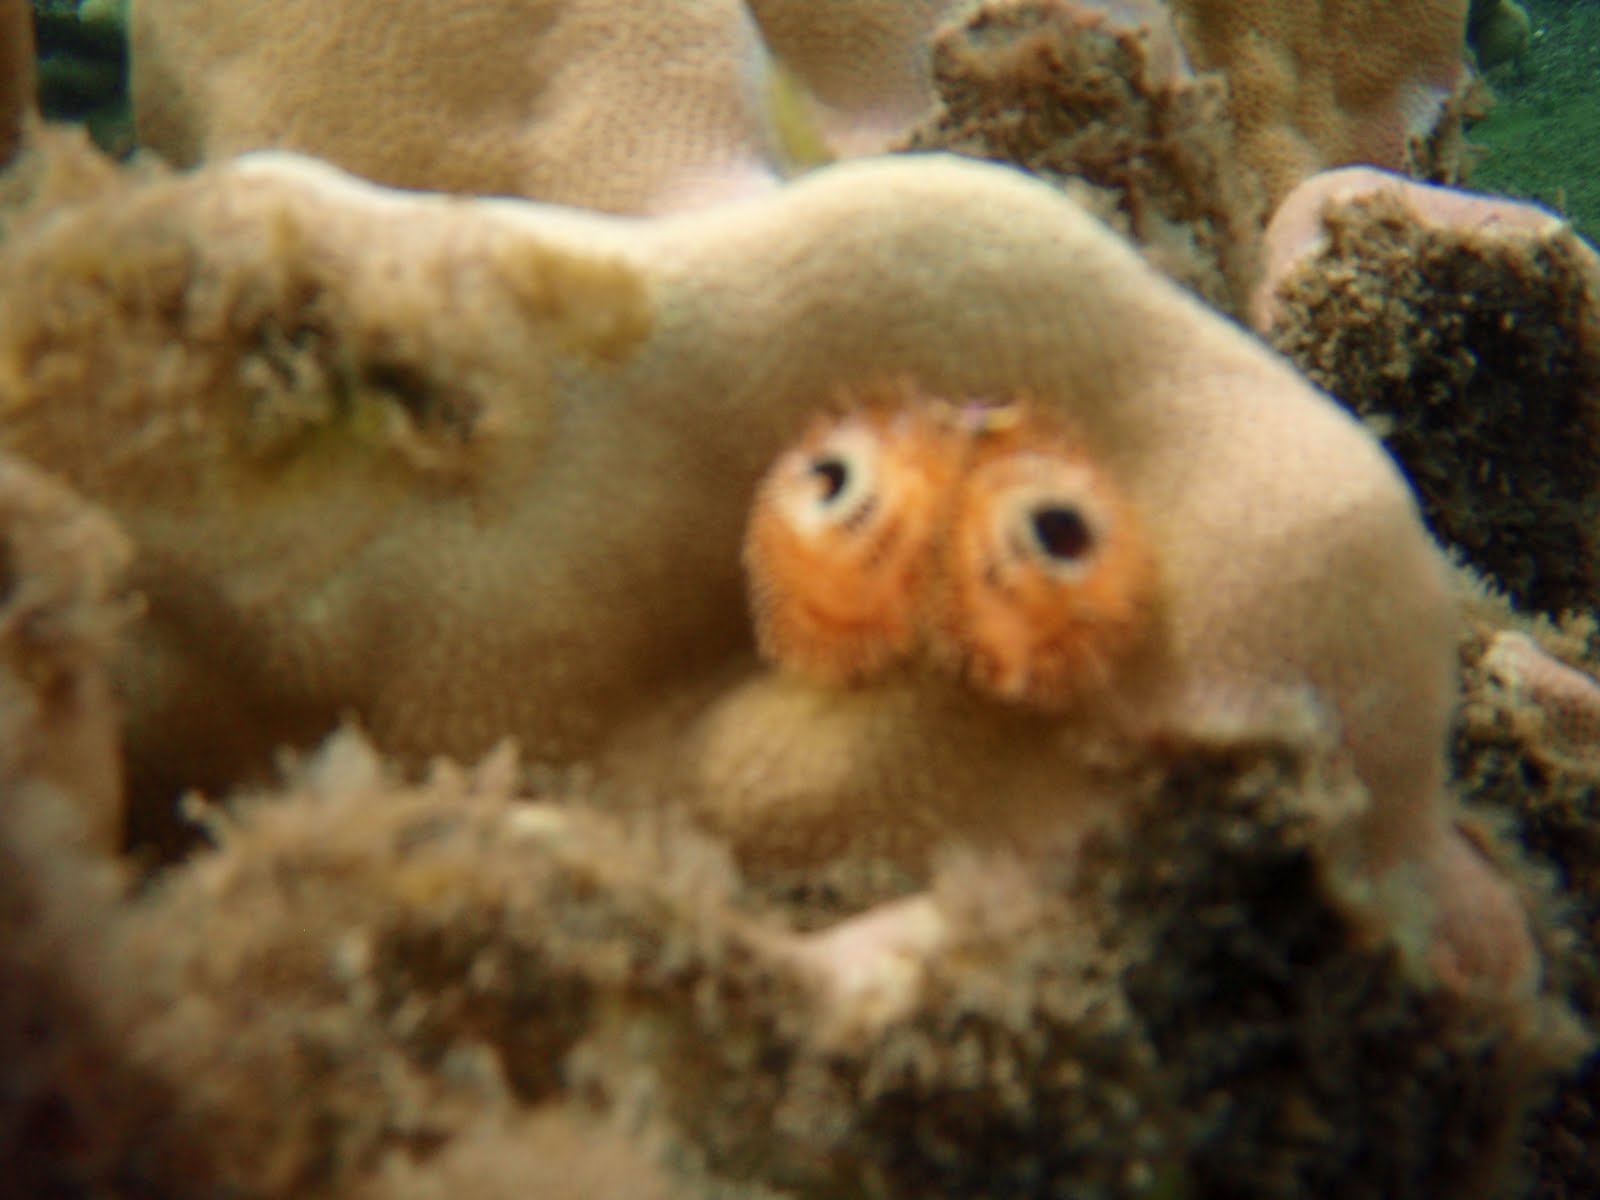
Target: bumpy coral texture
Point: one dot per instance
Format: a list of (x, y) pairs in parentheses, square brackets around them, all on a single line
[(73, 1107), (1322, 84), (380, 989), (357, 436), (1468, 327), (1525, 749), (605, 103), (60, 613), (1100, 100)]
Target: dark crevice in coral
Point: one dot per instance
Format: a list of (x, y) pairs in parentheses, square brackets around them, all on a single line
[(1319, 1068)]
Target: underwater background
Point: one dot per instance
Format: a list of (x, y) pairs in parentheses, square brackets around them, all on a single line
[(1541, 137)]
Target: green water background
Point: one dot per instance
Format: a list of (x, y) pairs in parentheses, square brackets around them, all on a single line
[(1541, 138)]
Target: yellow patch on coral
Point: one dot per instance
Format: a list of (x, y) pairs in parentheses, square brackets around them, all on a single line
[(594, 305), (796, 128)]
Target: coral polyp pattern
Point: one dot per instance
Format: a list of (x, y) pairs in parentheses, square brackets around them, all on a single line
[(976, 535)]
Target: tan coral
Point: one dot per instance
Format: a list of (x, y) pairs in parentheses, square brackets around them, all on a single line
[(1323, 84), (60, 567), (1428, 311), (605, 103), (866, 62), (1100, 100), (1554, 707), (1298, 231), (479, 468)]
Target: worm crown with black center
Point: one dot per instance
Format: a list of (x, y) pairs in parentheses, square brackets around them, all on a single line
[(981, 538)]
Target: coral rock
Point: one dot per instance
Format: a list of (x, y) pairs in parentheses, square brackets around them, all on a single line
[(1101, 101), (1467, 327), (1317, 85), (61, 563), (474, 469), (604, 103), (371, 987)]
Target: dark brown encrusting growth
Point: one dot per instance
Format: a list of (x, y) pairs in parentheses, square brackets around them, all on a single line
[(1477, 356), (1324, 1061), (16, 75), (1551, 803), (1110, 112), (77, 1116), (375, 989)]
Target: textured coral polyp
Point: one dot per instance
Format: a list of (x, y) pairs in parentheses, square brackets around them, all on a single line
[(1319, 85), (412, 533), (599, 103), (1507, 377), (1099, 99)]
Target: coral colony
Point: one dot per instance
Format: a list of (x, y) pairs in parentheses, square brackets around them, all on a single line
[(799, 599)]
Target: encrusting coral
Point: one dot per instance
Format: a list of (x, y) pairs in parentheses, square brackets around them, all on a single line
[(60, 562), (368, 985), (493, 97), (1430, 312), (618, 106), (608, 104), (1314, 85), (355, 436), (1101, 101)]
